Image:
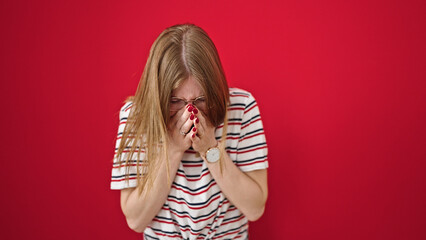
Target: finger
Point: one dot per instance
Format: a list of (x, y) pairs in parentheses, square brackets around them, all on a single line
[(177, 115), (193, 131), (190, 136), (203, 120), (194, 138), (184, 115), (196, 113), (186, 127), (199, 127)]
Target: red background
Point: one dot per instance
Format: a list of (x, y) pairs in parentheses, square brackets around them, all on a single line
[(340, 85)]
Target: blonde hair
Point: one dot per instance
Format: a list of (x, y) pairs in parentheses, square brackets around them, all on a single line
[(179, 52)]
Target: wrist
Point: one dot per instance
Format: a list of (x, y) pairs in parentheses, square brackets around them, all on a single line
[(212, 154)]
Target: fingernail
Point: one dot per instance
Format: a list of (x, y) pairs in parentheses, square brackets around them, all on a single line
[(197, 121), (195, 111), (190, 109), (194, 129), (193, 135), (192, 117)]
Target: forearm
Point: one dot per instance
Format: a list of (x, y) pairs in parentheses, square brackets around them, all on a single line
[(245, 193), (141, 209)]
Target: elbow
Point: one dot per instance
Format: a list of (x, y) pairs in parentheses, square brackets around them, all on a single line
[(135, 225), (255, 215)]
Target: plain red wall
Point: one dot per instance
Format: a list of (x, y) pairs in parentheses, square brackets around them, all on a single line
[(340, 85)]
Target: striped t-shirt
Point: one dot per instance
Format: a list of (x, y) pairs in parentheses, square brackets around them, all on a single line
[(195, 207)]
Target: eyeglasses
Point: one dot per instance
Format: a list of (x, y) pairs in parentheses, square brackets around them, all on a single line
[(178, 103)]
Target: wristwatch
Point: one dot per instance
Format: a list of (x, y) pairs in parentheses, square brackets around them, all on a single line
[(213, 155)]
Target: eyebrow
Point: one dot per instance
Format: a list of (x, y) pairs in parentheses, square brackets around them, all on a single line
[(188, 99)]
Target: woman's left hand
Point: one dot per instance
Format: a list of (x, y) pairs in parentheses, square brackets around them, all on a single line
[(203, 135)]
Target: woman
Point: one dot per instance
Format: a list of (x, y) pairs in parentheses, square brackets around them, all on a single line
[(191, 155)]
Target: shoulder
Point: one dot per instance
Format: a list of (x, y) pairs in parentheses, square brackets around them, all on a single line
[(126, 106), (241, 97), (238, 92), (125, 110)]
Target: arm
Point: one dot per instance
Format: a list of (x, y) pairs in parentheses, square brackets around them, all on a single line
[(139, 210), (247, 191)]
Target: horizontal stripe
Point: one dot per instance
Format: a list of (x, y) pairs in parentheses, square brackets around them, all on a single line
[(188, 161), (169, 197), (237, 104), (149, 236), (187, 227), (252, 159), (239, 95), (251, 163), (122, 180), (253, 102), (193, 180), (228, 220), (234, 91), (230, 231), (233, 221), (130, 161), (175, 222), (251, 132), (236, 108), (255, 135), (192, 165), (130, 165), (195, 208), (207, 185), (251, 150), (160, 232), (238, 149), (250, 123), (193, 175), (183, 228), (127, 106), (193, 194), (194, 219), (234, 119), (249, 109), (235, 231), (251, 119)]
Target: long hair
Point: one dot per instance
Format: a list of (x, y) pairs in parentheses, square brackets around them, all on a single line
[(179, 52)]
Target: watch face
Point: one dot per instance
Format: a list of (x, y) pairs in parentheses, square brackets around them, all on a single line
[(213, 155)]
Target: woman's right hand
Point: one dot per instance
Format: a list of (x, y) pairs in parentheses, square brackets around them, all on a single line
[(179, 125)]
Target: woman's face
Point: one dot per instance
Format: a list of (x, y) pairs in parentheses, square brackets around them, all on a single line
[(189, 92)]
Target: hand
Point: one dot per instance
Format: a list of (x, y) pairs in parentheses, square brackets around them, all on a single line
[(180, 123), (203, 138)]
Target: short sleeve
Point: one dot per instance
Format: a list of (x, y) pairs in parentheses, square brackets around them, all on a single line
[(119, 165), (252, 151)]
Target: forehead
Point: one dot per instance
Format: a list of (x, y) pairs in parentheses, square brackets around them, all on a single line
[(188, 89)]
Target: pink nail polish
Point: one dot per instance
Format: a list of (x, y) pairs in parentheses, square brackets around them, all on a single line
[(190, 109), (194, 129), (192, 117), (195, 111)]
